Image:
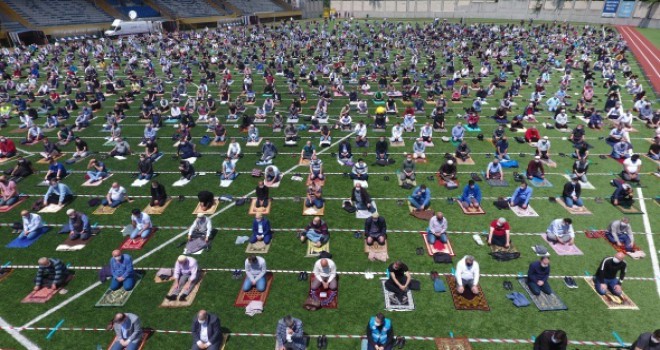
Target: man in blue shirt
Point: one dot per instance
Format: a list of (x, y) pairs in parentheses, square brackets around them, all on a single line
[(121, 266), (56, 170), (58, 193), (78, 225), (471, 197), (521, 196), (420, 198)]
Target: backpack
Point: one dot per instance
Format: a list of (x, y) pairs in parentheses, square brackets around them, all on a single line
[(501, 204), (205, 140), (505, 256), (442, 258), (349, 207)]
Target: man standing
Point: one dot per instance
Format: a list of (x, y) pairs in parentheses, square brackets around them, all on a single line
[(561, 231), (619, 232), (255, 273), (289, 334), (375, 229), (380, 334), (467, 275), (437, 228), (121, 266), (52, 273), (79, 226), (186, 270), (605, 278), (206, 331), (128, 332), (398, 281), (537, 276)]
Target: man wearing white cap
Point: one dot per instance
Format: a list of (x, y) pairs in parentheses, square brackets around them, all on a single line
[(535, 169), (79, 227), (187, 271), (543, 148)]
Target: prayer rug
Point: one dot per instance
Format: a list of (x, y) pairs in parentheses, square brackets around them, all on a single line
[(97, 183), (313, 251), (43, 295), (5, 272), (398, 144), (70, 245), (575, 210), (421, 160), (3, 160), (209, 211), (258, 247), (543, 302), (549, 162), (104, 210), (375, 248), (443, 183), (523, 213), (312, 211), (51, 208), (217, 144), (254, 210), (24, 242), (275, 184), (318, 182), (139, 183), (452, 344), (393, 304), (244, 298), (425, 215), (467, 300), (471, 210), (329, 300), (497, 249), (619, 160), (636, 248), (157, 210), (303, 162), (361, 182), (364, 214), (181, 182), (226, 183), (120, 296), (189, 299), (562, 249), (6, 208), (438, 246), (594, 233), (138, 243), (536, 182), (612, 301)]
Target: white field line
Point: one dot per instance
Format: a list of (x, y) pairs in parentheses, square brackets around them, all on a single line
[(163, 245), (653, 252), (17, 336)]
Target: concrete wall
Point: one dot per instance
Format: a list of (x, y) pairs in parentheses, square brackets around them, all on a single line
[(550, 10), (311, 8)]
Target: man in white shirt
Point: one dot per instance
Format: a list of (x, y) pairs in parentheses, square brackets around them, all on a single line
[(116, 195), (561, 231), (255, 274), (467, 275), (325, 275), (234, 149), (32, 225), (631, 168), (186, 271)]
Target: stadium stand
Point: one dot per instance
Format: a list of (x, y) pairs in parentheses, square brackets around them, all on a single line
[(142, 9), (44, 13), (190, 8), (255, 6)]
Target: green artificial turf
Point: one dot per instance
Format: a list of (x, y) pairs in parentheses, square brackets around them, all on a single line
[(359, 298), (652, 34)]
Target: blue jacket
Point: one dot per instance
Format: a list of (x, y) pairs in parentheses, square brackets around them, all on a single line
[(537, 272), (424, 198), (60, 189), (122, 268), (525, 194), (266, 226), (471, 192), (382, 336)]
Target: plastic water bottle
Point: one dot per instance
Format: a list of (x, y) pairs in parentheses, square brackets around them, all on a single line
[(99, 347), (387, 273)]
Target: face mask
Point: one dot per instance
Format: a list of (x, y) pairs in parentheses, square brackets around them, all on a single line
[(468, 264)]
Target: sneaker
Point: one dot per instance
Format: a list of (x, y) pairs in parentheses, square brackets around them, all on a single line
[(567, 282), (572, 282), (478, 239), (171, 297), (401, 342), (394, 300)]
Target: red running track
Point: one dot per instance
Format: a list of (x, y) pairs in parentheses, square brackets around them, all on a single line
[(646, 53)]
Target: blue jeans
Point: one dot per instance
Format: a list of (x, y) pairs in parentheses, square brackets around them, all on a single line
[(136, 231), (536, 289), (317, 175), (360, 206), (570, 202), (318, 203), (316, 237), (266, 239), (145, 177), (132, 346), (9, 201), (610, 282), (519, 202), (96, 175), (128, 283), (113, 204), (230, 176), (364, 177), (624, 238), (34, 234), (430, 237), (416, 203), (505, 156), (261, 284)]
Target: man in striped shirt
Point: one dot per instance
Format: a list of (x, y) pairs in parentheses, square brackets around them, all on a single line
[(52, 273)]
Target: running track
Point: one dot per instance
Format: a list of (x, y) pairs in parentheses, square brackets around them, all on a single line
[(646, 53)]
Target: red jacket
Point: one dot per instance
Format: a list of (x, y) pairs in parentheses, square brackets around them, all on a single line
[(8, 146), (532, 133)]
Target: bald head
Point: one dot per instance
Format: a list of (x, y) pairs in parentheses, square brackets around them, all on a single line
[(202, 315), (324, 262), (43, 261), (116, 253)]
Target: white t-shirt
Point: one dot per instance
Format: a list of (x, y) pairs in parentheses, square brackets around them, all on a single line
[(117, 194), (632, 167)]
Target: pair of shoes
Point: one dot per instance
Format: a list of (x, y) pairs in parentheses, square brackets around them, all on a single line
[(419, 251), (507, 285), (322, 342), (357, 234), (300, 276), (570, 282), (183, 297), (400, 342), (171, 297), (434, 275), (477, 239), (394, 300), (450, 200), (236, 274)]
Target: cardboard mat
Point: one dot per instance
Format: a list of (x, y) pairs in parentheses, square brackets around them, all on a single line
[(253, 210), (210, 211), (313, 251), (258, 247), (575, 210), (157, 210), (189, 300)]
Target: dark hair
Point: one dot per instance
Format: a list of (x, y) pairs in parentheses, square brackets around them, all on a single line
[(135, 211), (252, 259), (380, 317), (560, 335), (656, 334), (568, 220), (471, 182)]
